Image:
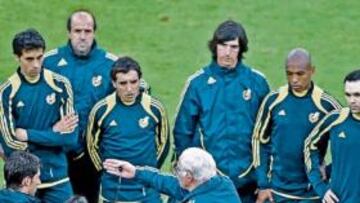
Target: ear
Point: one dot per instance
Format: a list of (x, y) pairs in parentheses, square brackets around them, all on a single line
[(114, 84), (26, 181), (313, 69), (17, 58), (189, 178)]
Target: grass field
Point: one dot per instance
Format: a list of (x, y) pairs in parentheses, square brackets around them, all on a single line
[(169, 37)]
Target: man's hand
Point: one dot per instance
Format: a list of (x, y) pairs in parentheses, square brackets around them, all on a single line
[(119, 168), (21, 134), (330, 197), (264, 195), (66, 124)]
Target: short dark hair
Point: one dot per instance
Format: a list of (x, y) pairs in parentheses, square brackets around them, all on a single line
[(226, 31), (27, 40), (352, 76), (19, 165), (124, 65), (69, 20)]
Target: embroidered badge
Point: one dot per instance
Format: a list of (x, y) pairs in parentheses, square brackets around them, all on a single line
[(314, 117), (96, 80), (247, 94), (51, 98), (144, 122)]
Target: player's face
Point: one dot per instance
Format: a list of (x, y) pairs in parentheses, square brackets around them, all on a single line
[(34, 182), (227, 53), (127, 86), (82, 33), (352, 95), (299, 76), (30, 62)]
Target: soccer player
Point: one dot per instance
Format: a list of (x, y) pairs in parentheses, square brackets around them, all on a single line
[(128, 125), (195, 178), (37, 115), (88, 68), (218, 107), (285, 119), (342, 129), (22, 176)]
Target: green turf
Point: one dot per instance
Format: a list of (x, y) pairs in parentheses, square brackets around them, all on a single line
[(169, 37)]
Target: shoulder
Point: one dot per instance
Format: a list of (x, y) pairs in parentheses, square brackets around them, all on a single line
[(336, 117), (105, 105), (104, 55), (110, 56), (10, 86), (197, 76), (324, 101), (197, 80), (329, 102), (276, 96), (56, 57), (255, 73), (152, 104), (56, 81), (51, 53)]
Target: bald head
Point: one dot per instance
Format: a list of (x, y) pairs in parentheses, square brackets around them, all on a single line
[(82, 13), (299, 70), (299, 56)]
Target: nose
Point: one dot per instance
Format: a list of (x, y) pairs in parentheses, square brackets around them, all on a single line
[(82, 35), (294, 80), (227, 50), (352, 99), (128, 87), (37, 63)]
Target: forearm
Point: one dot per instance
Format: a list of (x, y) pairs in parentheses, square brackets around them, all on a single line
[(50, 138), (167, 184)]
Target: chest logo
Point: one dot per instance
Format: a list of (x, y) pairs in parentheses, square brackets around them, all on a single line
[(247, 94), (20, 104), (113, 123), (342, 135), (282, 113), (51, 98), (211, 81), (62, 62), (314, 117), (144, 122), (96, 80)]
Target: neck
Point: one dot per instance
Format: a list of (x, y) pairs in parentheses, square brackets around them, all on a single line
[(300, 94), (31, 79), (22, 190)]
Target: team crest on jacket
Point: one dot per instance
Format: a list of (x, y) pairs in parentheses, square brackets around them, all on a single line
[(144, 122), (247, 94), (96, 80), (51, 98), (314, 117)]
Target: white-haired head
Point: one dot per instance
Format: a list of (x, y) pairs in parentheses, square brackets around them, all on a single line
[(199, 163)]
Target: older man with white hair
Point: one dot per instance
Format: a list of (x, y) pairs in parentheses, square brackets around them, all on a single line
[(195, 178)]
